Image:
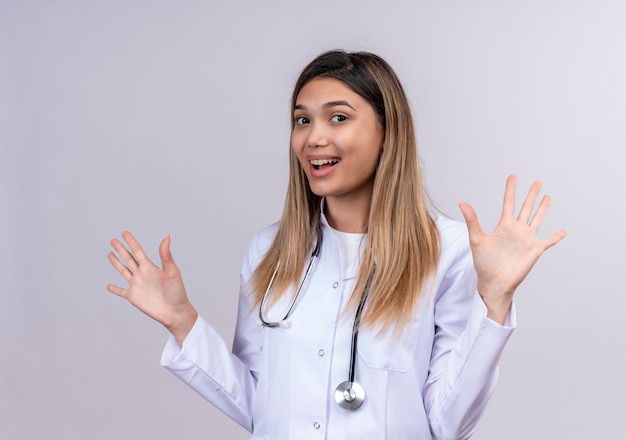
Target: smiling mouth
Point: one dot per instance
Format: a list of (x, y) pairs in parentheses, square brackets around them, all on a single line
[(324, 163)]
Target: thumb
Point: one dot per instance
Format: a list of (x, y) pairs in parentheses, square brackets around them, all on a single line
[(167, 261), (471, 219)]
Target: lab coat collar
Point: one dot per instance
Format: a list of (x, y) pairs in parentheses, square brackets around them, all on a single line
[(323, 219)]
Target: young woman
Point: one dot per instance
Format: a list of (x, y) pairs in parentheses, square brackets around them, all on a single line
[(363, 314)]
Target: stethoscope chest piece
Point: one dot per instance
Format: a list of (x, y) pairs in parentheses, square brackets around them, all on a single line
[(349, 395)]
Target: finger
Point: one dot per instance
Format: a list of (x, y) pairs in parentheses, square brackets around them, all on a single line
[(135, 247), (529, 202), (119, 266), (167, 261), (125, 254), (117, 290), (471, 220), (553, 239), (508, 206), (537, 219)]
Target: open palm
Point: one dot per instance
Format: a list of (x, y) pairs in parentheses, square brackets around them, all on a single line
[(158, 292), (504, 258)]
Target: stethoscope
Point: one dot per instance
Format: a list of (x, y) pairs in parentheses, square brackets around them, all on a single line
[(348, 394)]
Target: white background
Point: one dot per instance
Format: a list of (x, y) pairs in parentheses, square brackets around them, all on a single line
[(172, 117)]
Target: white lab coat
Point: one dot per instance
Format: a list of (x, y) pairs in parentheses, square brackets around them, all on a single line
[(279, 383)]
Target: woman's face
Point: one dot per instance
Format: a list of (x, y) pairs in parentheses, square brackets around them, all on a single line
[(338, 139)]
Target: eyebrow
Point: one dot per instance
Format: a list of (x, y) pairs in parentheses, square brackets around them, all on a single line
[(327, 105)]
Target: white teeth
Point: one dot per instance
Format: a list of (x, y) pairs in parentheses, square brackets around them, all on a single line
[(318, 162)]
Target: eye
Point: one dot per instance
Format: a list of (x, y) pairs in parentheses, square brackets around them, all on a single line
[(301, 120), (339, 118)]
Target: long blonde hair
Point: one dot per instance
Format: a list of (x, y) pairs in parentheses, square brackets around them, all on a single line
[(402, 248)]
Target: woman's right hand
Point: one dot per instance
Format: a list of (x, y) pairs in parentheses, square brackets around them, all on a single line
[(158, 292)]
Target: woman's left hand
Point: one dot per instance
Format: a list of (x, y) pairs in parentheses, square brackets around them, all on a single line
[(503, 258)]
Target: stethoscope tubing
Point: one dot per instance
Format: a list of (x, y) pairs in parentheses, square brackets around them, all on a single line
[(355, 328), (348, 394), (274, 324)]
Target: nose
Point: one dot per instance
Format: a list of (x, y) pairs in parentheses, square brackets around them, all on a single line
[(318, 136)]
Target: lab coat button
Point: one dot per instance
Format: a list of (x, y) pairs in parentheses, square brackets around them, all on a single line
[(316, 425), (335, 285), (321, 352)]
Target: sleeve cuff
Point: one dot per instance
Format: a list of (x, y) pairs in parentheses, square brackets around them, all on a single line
[(173, 352), (479, 310)]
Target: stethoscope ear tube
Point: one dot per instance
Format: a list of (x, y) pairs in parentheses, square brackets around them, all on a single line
[(283, 323)]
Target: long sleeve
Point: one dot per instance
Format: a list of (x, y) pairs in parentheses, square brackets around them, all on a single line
[(466, 348), (206, 364), (226, 379)]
